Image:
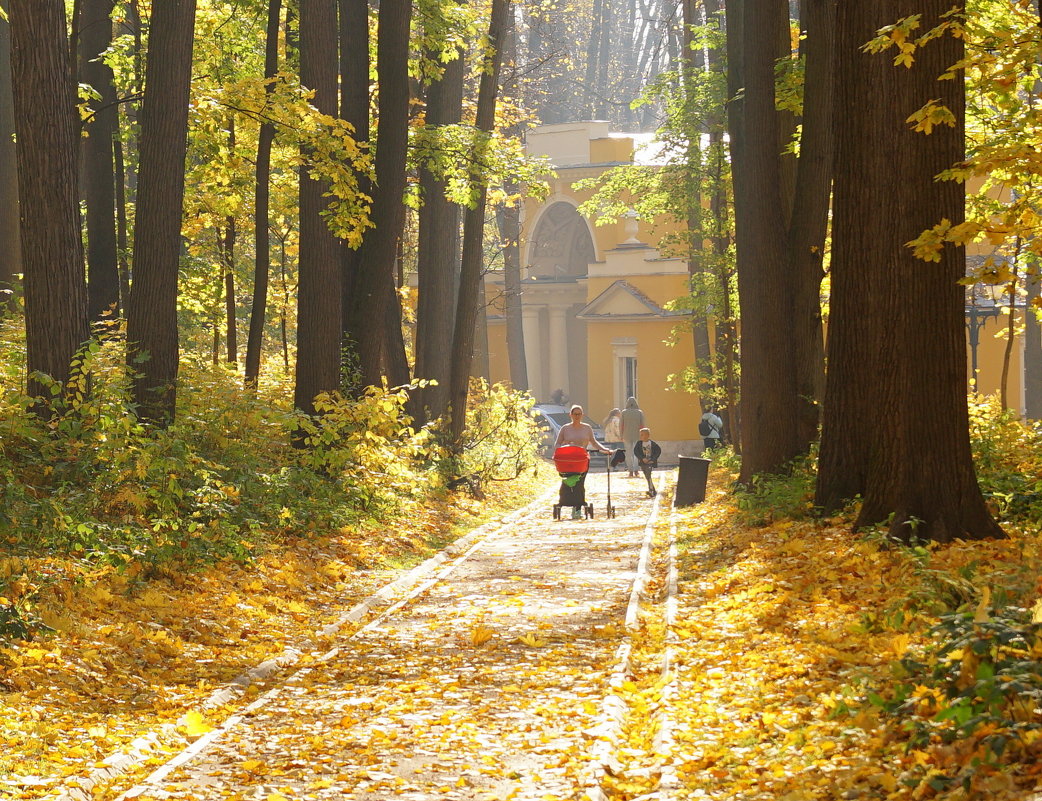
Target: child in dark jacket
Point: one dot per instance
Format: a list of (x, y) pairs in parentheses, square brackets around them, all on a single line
[(647, 451)]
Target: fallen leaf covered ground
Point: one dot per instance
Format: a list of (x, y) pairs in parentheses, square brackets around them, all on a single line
[(808, 665), (792, 640), (485, 686), (128, 654)]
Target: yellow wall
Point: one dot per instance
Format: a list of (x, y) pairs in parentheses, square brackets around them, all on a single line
[(990, 355), (670, 415)]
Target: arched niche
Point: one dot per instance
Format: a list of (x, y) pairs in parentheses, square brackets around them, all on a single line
[(561, 245)]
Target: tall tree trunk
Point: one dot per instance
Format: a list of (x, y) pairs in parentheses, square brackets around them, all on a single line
[(48, 131), (509, 222), (261, 203), (375, 279), (10, 237), (591, 101), (810, 208), (895, 402), (473, 231), (231, 329), (696, 160), (769, 398), (152, 310), (99, 187), (1032, 354), (319, 325), (354, 108), (508, 218), (438, 257)]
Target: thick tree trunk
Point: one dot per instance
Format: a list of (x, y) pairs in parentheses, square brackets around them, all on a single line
[(895, 405), (152, 338), (262, 199), (48, 131), (438, 257), (319, 326), (473, 231), (769, 399), (354, 108), (99, 185), (861, 337), (809, 221), (10, 236), (375, 279)]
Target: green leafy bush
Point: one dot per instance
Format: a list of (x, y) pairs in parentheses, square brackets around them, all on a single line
[(977, 691), (1008, 457), (779, 496)]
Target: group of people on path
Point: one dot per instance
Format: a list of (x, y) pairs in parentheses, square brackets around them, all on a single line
[(639, 450)]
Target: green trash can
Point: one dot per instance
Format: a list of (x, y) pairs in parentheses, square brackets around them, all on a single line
[(691, 481)]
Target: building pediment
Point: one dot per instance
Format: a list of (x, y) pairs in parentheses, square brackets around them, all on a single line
[(624, 302)]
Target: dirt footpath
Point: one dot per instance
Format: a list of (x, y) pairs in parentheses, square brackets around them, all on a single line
[(486, 686)]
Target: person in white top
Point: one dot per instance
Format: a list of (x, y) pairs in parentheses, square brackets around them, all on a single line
[(612, 426), (710, 428)]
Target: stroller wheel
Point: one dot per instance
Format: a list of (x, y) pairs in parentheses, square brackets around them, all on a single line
[(557, 511), (610, 512), (589, 511)]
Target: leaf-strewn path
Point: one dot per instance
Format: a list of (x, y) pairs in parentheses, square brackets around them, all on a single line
[(485, 686)]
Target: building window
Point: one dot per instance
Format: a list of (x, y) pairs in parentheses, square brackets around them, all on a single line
[(629, 377)]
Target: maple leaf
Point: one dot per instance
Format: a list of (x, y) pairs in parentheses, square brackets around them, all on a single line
[(481, 635), (532, 640)]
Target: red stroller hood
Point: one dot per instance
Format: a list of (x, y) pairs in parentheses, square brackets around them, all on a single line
[(571, 459)]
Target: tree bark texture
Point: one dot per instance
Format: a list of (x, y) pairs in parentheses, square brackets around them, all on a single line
[(99, 186), (261, 203), (48, 130), (769, 398), (810, 209), (896, 426), (152, 338), (438, 257), (10, 236), (1032, 354), (319, 325), (375, 279), (354, 108), (508, 219), (473, 231)]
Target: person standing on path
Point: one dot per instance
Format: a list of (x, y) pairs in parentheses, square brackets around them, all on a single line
[(577, 433), (632, 423), (647, 452), (710, 428), (612, 426)]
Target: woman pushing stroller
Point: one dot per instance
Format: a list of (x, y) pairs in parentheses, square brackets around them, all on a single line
[(573, 484)]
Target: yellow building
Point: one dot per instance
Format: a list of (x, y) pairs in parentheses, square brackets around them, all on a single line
[(594, 299)]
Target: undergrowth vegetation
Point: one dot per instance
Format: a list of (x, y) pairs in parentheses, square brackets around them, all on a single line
[(962, 698), (88, 484)]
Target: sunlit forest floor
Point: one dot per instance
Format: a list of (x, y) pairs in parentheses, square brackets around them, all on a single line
[(127, 655), (809, 662)]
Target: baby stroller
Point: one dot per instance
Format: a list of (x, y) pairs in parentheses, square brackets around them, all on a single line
[(572, 463)]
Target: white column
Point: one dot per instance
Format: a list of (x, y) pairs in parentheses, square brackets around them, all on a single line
[(533, 352), (558, 347)]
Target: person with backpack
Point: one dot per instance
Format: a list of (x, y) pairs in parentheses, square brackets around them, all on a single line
[(710, 428)]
